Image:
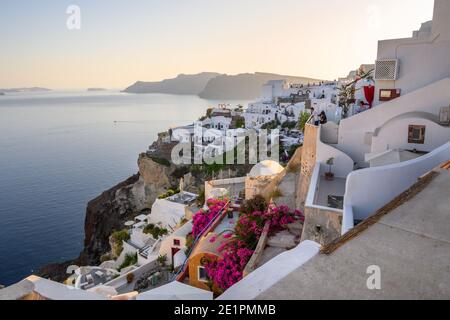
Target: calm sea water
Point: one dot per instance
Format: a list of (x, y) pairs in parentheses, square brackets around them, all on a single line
[(58, 151)]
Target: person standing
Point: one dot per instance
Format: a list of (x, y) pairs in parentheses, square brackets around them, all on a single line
[(315, 116), (323, 118)]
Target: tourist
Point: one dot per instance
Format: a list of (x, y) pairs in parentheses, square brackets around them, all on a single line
[(323, 117), (362, 107), (315, 116)]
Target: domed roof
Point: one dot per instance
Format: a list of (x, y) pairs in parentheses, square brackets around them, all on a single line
[(266, 168)]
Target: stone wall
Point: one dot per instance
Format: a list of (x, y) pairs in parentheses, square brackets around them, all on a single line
[(256, 185), (308, 162), (321, 225)]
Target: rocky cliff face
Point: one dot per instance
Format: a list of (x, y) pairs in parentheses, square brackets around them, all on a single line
[(109, 211)]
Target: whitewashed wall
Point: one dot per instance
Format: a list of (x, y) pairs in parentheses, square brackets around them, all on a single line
[(370, 189), (343, 164), (423, 60), (352, 131), (394, 135)]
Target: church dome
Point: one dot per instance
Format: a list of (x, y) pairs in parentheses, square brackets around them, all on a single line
[(266, 168)]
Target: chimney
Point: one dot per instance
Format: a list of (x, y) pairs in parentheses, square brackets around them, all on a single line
[(441, 22)]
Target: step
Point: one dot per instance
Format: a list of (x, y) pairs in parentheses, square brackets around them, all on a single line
[(284, 240), (296, 226)]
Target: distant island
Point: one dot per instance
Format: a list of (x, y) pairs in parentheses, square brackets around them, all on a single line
[(2, 93), (95, 89), (32, 89), (210, 85), (183, 84), (245, 86)]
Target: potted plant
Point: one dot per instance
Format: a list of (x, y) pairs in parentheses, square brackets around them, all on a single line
[(130, 277), (330, 175), (162, 259)]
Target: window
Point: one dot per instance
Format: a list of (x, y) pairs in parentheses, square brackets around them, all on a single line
[(176, 242), (202, 274), (416, 134), (389, 94)]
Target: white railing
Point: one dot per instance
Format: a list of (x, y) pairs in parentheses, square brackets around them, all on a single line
[(314, 189), (348, 221), (368, 190)]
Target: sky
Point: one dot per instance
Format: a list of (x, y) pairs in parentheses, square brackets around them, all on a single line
[(122, 41)]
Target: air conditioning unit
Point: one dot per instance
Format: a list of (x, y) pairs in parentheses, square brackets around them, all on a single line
[(386, 69)]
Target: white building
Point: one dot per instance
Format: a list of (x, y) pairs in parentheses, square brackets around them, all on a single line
[(393, 143), (168, 212), (175, 242), (406, 65)]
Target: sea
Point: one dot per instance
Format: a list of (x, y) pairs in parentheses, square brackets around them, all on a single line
[(58, 150)]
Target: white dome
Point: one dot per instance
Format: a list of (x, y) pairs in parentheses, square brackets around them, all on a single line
[(266, 168)]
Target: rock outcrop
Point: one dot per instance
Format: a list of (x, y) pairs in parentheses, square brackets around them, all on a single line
[(109, 211), (191, 84)]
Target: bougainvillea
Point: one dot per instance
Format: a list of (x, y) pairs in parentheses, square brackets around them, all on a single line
[(202, 218), (238, 246), (228, 270)]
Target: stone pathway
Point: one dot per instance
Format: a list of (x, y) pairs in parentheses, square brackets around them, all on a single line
[(287, 189), (282, 242)]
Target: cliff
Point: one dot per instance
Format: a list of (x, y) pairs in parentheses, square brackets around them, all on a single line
[(182, 84), (244, 86), (215, 86), (110, 210), (33, 89)]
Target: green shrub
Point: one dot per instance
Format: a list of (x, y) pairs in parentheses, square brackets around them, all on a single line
[(105, 257), (277, 193), (270, 125), (258, 203), (130, 260), (303, 119), (118, 237), (289, 125), (240, 123), (149, 228), (161, 161), (155, 231), (162, 260), (201, 197), (179, 172), (169, 193), (189, 240)]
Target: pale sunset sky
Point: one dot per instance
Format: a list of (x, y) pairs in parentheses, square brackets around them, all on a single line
[(122, 41)]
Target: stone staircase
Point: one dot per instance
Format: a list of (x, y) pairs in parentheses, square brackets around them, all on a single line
[(287, 190), (282, 241)]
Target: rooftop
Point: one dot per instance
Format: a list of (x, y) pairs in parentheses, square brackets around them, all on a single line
[(266, 168), (409, 239), (183, 198)]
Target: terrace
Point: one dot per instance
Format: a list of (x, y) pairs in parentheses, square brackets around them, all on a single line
[(89, 277), (183, 198)]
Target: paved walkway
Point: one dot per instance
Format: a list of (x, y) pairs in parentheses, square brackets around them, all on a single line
[(410, 245)]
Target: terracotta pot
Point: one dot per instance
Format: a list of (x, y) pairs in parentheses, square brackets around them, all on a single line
[(329, 176)]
